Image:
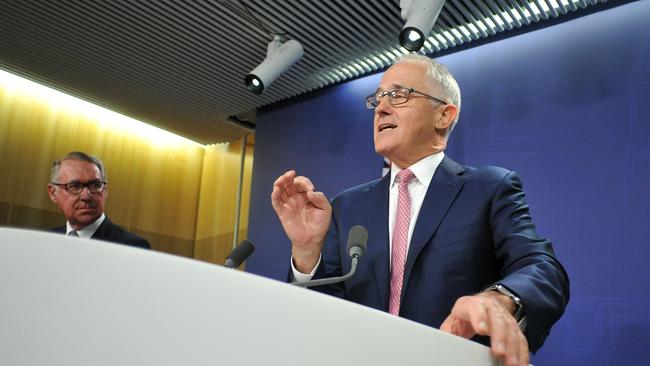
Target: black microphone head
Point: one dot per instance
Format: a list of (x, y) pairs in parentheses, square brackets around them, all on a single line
[(243, 250), (357, 240)]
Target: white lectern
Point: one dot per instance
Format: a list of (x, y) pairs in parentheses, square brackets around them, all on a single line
[(70, 301)]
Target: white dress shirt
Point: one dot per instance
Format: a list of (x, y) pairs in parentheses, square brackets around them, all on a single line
[(423, 170), (87, 231)]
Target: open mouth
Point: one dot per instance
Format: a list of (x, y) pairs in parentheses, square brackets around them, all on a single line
[(386, 126)]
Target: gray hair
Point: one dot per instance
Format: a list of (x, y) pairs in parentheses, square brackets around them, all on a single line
[(439, 73), (79, 156)]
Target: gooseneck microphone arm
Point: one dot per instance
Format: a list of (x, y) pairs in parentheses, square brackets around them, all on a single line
[(357, 241), (331, 280)]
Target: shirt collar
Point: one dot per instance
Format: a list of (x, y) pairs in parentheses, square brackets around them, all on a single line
[(422, 169), (87, 231)]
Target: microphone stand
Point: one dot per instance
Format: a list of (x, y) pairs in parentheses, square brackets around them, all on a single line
[(357, 240), (331, 280)]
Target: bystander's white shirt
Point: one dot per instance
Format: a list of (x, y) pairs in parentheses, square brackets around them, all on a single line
[(87, 231)]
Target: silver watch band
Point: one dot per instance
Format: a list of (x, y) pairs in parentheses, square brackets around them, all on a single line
[(519, 313)]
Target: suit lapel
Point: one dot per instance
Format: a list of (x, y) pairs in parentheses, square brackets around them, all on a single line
[(378, 245), (443, 189), (102, 231)]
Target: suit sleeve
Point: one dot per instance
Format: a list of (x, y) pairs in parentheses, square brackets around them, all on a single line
[(143, 243), (133, 240), (528, 264)]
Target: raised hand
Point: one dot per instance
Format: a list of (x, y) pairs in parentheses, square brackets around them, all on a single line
[(305, 216)]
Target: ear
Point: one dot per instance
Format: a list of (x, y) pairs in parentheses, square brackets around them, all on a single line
[(448, 115), (50, 191)]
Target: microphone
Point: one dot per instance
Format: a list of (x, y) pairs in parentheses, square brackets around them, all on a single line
[(357, 242), (243, 250)]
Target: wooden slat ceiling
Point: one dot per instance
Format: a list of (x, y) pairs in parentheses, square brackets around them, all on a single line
[(180, 64)]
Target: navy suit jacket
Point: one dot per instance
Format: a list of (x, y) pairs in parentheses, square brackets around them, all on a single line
[(108, 231), (473, 230)]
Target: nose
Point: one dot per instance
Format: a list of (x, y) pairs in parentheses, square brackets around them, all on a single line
[(85, 193), (384, 107)]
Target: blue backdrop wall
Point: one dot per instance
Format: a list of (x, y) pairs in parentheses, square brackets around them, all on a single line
[(568, 107)]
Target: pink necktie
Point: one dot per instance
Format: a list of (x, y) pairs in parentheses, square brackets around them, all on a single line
[(400, 239)]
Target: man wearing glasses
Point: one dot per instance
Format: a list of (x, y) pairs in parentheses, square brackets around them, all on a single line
[(78, 187), (449, 246)]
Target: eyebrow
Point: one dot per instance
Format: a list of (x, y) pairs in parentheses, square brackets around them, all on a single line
[(75, 181), (390, 87)]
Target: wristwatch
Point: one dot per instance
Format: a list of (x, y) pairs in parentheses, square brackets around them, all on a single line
[(519, 313)]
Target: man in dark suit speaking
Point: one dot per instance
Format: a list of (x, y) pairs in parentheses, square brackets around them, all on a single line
[(449, 246), (78, 187)]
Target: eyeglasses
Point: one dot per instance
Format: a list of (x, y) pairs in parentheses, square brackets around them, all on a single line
[(95, 186), (395, 97)]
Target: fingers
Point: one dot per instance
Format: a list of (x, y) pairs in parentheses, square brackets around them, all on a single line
[(319, 200), (458, 327), (506, 338), (288, 185), (478, 318), (524, 353), (446, 325), (285, 180), (485, 315), (278, 197), (302, 184), (283, 188), (500, 339), (467, 318)]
